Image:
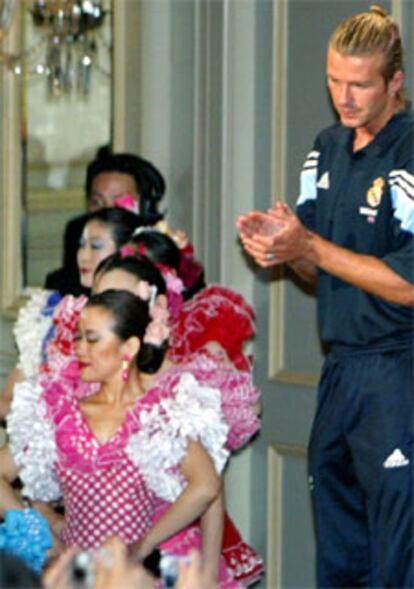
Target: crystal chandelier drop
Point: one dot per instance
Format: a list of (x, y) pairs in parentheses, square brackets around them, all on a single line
[(67, 46), (6, 13)]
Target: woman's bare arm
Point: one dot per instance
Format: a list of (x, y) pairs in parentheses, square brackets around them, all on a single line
[(203, 487), (6, 394), (8, 473), (212, 527)]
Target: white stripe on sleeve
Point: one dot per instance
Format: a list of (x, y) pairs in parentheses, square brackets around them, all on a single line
[(402, 195)]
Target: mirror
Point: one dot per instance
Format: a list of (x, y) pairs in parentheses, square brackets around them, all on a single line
[(55, 116), (66, 117)]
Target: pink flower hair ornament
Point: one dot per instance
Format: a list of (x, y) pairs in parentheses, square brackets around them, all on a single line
[(126, 251), (146, 292), (158, 330), (175, 287), (127, 202), (133, 249), (172, 281)]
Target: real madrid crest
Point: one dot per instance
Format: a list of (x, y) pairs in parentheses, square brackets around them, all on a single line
[(374, 194)]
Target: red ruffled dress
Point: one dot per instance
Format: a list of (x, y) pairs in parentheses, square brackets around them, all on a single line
[(215, 314), (218, 314)]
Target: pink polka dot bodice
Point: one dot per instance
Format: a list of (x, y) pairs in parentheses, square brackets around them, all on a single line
[(107, 502), (110, 488)]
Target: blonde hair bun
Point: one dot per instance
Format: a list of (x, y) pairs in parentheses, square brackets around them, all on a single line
[(379, 10)]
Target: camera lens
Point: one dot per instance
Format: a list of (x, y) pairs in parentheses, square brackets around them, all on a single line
[(152, 563), (169, 569), (81, 573)]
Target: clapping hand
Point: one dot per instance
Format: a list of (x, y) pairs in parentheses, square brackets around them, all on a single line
[(257, 233), (258, 223), (274, 237)]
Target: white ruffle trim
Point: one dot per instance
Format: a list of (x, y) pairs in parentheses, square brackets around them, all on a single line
[(157, 449), (30, 330), (32, 442)]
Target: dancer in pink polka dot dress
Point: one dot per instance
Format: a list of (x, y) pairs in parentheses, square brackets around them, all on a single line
[(149, 435)]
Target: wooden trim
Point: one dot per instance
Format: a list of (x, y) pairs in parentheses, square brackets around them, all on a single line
[(56, 199), (276, 455), (119, 75), (279, 99), (200, 96), (396, 11), (11, 185), (277, 307), (278, 180)]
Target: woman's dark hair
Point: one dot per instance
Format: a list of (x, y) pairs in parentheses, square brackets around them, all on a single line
[(15, 574), (131, 317), (140, 267), (159, 248), (148, 179), (121, 222)]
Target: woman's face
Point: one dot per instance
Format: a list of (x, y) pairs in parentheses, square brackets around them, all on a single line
[(96, 244), (98, 348), (115, 279), (107, 187)]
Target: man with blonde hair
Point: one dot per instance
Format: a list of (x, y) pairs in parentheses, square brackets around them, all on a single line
[(353, 234)]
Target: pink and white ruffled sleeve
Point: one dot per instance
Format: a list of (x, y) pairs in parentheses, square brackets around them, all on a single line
[(193, 411), (239, 396), (32, 442), (60, 350), (30, 330)]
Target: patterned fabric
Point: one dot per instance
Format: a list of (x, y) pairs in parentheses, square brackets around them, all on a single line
[(193, 413), (237, 395), (30, 330), (246, 564), (27, 535), (190, 538), (45, 337), (60, 360), (32, 442), (215, 314), (190, 270), (60, 348), (105, 489), (107, 502)]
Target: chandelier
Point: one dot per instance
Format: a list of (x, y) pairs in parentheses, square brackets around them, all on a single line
[(67, 43)]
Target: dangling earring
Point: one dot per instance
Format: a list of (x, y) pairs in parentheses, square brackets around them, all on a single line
[(125, 366)]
